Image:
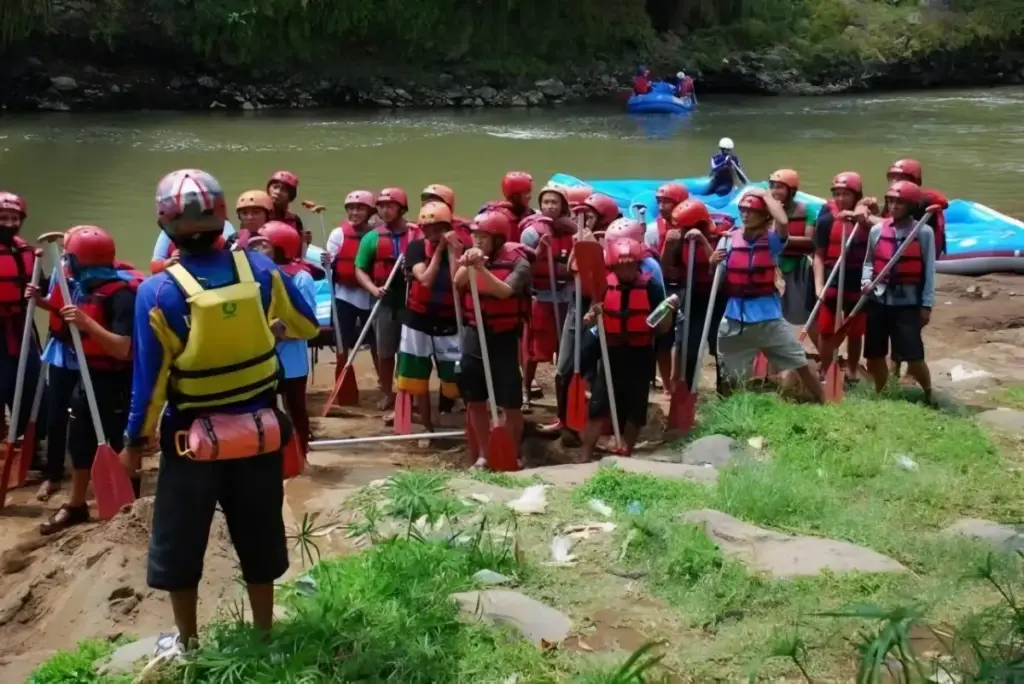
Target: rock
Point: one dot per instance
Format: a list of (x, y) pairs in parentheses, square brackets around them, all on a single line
[(1010, 420), (217, 105), (534, 98), (208, 82), (675, 471), (175, 82), (491, 578), (486, 93), (960, 374), (495, 494), (1005, 537), (569, 475), (538, 623), (122, 661), (403, 95), (383, 102), (249, 106), (979, 292), (713, 450), (518, 101), (784, 556), (478, 102), (54, 106), (551, 87), (64, 84), (445, 80)]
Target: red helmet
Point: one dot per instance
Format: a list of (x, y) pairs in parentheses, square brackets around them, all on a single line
[(690, 214), (787, 177), (674, 192), (12, 202), (604, 206), (752, 202), (493, 223), (848, 180), (442, 192), (516, 183), (906, 167), (90, 245), (622, 251), (283, 237), (904, 191), (286, 178), (363, 197), (190, 199), (577, 195), (396, 195), (625, 228)]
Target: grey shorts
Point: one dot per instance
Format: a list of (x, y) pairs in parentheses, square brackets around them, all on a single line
[(798, 299), (739, 343), (388, 331)]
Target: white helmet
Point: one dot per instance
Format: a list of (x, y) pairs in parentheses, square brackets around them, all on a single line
[(725, 144), (681, 75)]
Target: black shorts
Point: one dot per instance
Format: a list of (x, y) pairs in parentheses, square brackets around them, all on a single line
[(632, 372), (898, 325), (250, 492), (112, 399), (503, 349), (351, 320)]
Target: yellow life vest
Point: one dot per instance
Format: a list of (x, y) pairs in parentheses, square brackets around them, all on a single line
[(229, 355)]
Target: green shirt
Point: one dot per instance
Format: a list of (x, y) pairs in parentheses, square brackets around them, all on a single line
[(790, 262), (365, 258)]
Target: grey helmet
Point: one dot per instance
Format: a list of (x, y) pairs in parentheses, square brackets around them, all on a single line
[(192, 199)]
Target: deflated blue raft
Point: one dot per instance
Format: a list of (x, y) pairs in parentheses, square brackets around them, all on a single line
[(979, 239), (661, 100)]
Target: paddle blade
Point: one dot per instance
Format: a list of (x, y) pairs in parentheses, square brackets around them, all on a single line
[(293, 461), (110, 482), (403, 413), (590, 263), (834, 379), (345, 392), (759, 368), (576, 410), (28, 452), (682, 411), (501, 450), (5, 474), (340, 359)]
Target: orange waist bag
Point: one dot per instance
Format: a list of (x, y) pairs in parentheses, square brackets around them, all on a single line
[(223, 436)]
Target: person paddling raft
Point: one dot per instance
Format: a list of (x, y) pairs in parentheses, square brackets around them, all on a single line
[(753, 314), (503, 275), (103, 309), (724, 166), (204, 346)]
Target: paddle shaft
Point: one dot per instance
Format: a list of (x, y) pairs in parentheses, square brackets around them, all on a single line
[(26, 342), (842, 281), (335, 322), (828, 283), (608, 378), (739, 173), (554, 292), (707, 325), (482, 334), (76, 339), (334, 443), (684, 344), (578, 322), (458, 307), (373, 312)]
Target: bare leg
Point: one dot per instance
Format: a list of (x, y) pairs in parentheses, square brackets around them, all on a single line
[(854, 348), (529, 373), (476, 411), (423, 404), (665, 368), (183, 604), (810, 380), (630, 432), (920, 372), (591, 433), (261, 598), (879, 371)]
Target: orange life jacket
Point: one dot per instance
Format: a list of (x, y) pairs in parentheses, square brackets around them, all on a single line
[(749, 267), (93, 306), (798, 228), (345, 260), (386, 256), (909, 269), (16, 264), (500, 315), (855, 253), (436, 302), (626, 308), (561, 245)]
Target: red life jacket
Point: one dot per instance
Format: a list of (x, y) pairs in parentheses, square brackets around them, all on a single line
[(561, 246), (663, 229), (500, 315), (909, 270), (702, 271), (641, 86), (931, 196), (855, 253), (16, 264), (626, 308), (439, 301), (345, 260), (288, 217), (798, 228), (386, 257), (92, 306), (293, 267), (507, 208), (723, 223), (461, 228), (749, 267)]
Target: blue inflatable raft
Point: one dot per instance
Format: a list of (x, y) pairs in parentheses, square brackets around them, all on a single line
[(979, 239), (661, 100)]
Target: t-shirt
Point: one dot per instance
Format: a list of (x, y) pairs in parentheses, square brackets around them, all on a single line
[(755, 309), (432, 325), (789, 262), (292, 354), (519, 281), (356, 296), (367, 255)]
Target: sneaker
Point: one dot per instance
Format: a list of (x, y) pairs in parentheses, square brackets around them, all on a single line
[(557, 426)]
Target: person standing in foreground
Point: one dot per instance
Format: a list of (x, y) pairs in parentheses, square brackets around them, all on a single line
[(901, 305), (184, 318), (753, 313)]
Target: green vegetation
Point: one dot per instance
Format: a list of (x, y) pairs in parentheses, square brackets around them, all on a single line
[(77, 667), (833, 471), (510, 38)]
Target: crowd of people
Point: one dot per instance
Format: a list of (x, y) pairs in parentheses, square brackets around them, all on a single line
[(642, 83), (194, 358)]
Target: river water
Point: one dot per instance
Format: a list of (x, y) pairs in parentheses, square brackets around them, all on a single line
[(102, 169)]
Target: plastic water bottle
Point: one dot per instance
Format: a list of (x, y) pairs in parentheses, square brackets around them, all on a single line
[(662, 310)]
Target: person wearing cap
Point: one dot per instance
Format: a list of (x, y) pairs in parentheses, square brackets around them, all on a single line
[(753, 319), (204, 349), (724, 166)]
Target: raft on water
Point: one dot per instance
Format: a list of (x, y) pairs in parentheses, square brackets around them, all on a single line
[(661, 100), (979, 239)]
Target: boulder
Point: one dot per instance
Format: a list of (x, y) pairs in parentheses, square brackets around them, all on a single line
[(538, 623), (1010, 420), (551, 87), (960, 374), (568, 475), (1002, 536), (208, 82), (486, 93), (64, 84), (713, 450), (674, 471)]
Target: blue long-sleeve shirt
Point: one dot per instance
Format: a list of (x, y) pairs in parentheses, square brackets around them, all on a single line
[(212, 270), (721, 173)]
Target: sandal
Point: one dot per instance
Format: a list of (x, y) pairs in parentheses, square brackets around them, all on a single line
[(46, 490), (64, 517)]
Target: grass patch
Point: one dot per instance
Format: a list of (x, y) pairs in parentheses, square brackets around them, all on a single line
[(1010, 397), (76, 667)]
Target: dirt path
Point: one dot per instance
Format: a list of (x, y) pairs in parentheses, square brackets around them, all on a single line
[(90, 581)]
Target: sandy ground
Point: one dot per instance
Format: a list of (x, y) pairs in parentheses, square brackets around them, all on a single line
[(90, 581)]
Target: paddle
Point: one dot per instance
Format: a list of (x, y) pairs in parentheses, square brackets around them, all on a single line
[(501, 451), (346, 390), (339, 349), (681, 404), (739, 172), (829, 346), (576, 410), (834, 375), (553, 289), (689, 409), (293, 461), (403, 412), (828, 283), (452, 258), (109, 480), (28, 440), (19, 390)]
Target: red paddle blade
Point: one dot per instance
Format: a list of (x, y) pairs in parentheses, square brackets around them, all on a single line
[(110, 482), (5, 474), (759, 368), (501, 450), (340, 359), (576, 410), (293, 461), (834, 379), (403, 413), (590, 263), (28, 452), (345, 392), (682, 411)]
